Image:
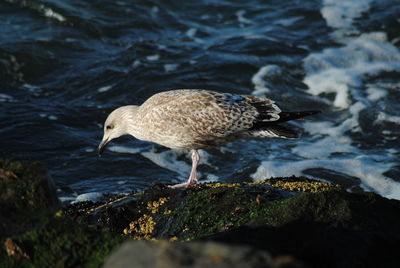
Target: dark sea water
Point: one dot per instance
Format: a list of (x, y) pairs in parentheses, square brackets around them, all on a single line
[(64, 65)]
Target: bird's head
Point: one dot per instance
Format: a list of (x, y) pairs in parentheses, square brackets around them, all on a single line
[(117, 124)]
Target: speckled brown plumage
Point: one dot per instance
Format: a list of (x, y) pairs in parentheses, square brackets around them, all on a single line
[(195, 119)]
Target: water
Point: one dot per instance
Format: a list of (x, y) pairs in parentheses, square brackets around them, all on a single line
[(64, 65)]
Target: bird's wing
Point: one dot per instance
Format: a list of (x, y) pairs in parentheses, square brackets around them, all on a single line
[(207, 114)]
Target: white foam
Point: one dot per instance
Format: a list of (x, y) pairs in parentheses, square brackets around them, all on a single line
[(337, 77), (169, 160), (153, 57), (171, 67), (191, 33), (155, 10), (48, 12), (242, 19), (289, 21), (368, 170), (136, 63), (342, 70), (388, 118), (124, 149), (205, 158), (375, 94), (342, 13), (6, 98), (52, 117), (323, 148), (94, 196), (30, 87), (212, 178), (260, 84), (104, 89)]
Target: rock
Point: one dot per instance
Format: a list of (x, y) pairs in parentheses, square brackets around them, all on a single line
[(193, 254), (26, 194), (7, 175), (34, 231), (226, 223), (59, 242), (14, 250), (327, 229), (314, 222)]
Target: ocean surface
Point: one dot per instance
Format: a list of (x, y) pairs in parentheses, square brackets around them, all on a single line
[(64, 65)]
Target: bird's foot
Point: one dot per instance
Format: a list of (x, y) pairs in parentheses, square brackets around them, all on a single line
[(185, 184)]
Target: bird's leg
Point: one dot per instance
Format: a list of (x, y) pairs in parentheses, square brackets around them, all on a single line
[(193, 174), (195, 162)]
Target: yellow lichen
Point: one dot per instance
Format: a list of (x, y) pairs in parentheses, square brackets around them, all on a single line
[(153, 206), (174, 238), (142, 228), (302, 186), (106, 204), (168, 211), (59, 213), (219, 184)]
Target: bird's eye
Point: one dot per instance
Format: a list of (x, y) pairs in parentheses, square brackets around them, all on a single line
[(109, 127)]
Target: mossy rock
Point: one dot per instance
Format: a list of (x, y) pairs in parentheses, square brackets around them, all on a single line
[(164, 213), (215, 210), (26, 187), (34, 232), (26, 196), (318, 224), (327, 229), (61, 242)]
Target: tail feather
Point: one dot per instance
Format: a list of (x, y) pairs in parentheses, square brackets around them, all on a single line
[(284, 132), (273, 129), (287, 116), (276, 131), (283, 117)]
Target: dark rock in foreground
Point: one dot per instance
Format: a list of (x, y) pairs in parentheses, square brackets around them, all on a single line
[(310, 222), (325, 227), (193, 254), (26, 194), (34, 232), (328, 229)]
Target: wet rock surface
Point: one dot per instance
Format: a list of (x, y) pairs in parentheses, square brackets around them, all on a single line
[(282, 222), (34, 231), (26, 194), (194, 254), (329, 229)]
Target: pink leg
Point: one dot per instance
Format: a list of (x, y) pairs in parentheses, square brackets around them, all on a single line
[(193, 177)]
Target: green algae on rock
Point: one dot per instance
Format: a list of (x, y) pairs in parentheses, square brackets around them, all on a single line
[(26, 195), (34, 232), (61, 242), (29, 188), (164, 213), (194, 254), (327, 229), (300, 184), (315, 222)]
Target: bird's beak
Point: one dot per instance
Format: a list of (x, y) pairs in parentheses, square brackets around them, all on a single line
[(102, 146)]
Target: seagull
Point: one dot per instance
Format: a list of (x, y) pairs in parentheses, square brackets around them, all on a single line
[(194, 119)]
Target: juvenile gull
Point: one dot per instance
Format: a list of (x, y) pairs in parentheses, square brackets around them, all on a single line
[(196, 119)]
